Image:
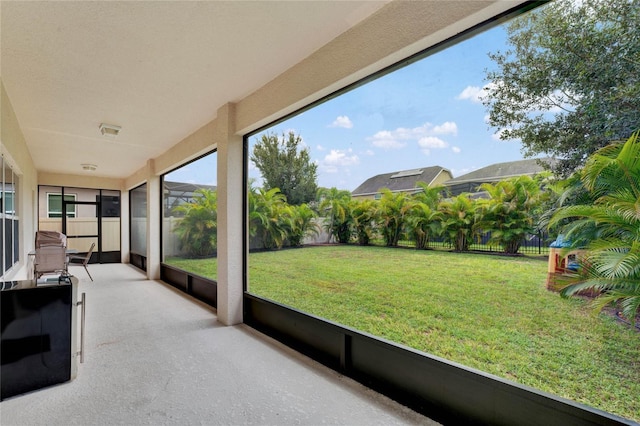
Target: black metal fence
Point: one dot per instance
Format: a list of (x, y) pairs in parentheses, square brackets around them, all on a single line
[(532, 244)]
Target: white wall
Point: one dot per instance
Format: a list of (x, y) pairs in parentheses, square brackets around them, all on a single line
[(16, 154)]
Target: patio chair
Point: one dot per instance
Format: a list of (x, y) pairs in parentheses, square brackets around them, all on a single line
[(50, 238), (83, 259), (50, 260)]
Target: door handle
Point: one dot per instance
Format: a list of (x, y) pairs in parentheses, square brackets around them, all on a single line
[(83, 304)]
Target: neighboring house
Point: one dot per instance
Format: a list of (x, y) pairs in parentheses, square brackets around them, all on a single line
[(402, 181), (495, 173)]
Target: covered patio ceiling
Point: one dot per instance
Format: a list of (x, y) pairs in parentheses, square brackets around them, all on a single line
[(161, 70)]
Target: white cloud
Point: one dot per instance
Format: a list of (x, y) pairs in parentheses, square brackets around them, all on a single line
[(428, 143), (341, 157), (432, 142), (446, 128), (456, 150), (342, 121), (320, 147), (369, 152), (475, 94), (471, 93), (387, 140), (398, 138), (338, 158)]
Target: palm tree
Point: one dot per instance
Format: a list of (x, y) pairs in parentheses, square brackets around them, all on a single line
[(424, 218), (509, 213), (458, 221), (391, 215), (611, 227), (363, 213), (268, 217), (198, 228), (302, 224), (430, 195), (335, 204), (422, 223)]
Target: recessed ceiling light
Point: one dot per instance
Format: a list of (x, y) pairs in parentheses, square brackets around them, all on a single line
[(109, 129), (89, 167)]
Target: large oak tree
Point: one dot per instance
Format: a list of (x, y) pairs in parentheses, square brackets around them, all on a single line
[(569, 82), (286, 164)]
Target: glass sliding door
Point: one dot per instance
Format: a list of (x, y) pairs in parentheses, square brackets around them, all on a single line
[(85, 216), (138, 224), (81, 226), (110, 230)]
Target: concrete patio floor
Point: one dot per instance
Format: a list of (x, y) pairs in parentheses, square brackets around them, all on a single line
[(155, 356)]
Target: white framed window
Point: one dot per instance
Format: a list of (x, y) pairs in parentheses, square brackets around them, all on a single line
[(8, 201), (9, 217)]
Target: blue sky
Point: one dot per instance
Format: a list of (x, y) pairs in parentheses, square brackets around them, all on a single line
[(425, 114)]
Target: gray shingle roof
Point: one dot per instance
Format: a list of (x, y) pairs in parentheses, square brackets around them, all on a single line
[(470, 182), (404, 180), (500, 171)]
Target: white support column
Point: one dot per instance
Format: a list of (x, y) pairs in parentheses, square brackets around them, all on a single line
[(125, 226), (154, 239), (230, 217)]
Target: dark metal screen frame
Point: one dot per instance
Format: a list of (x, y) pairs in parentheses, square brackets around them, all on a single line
[(442, 390)]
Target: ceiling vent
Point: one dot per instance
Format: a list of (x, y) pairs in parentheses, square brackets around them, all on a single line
[(109, 130)]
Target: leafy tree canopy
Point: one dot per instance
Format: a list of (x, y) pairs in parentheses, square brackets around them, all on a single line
[(284, 164), (569, 82)]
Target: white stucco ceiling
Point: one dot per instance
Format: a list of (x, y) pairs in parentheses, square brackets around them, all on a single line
[(160, 70)]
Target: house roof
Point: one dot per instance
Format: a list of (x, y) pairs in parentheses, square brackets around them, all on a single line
[(501, 171), (404, 180)]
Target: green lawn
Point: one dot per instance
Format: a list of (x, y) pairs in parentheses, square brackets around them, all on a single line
[(488, 312)]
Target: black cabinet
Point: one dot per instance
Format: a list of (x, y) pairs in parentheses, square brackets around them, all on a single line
[(37, 346)]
